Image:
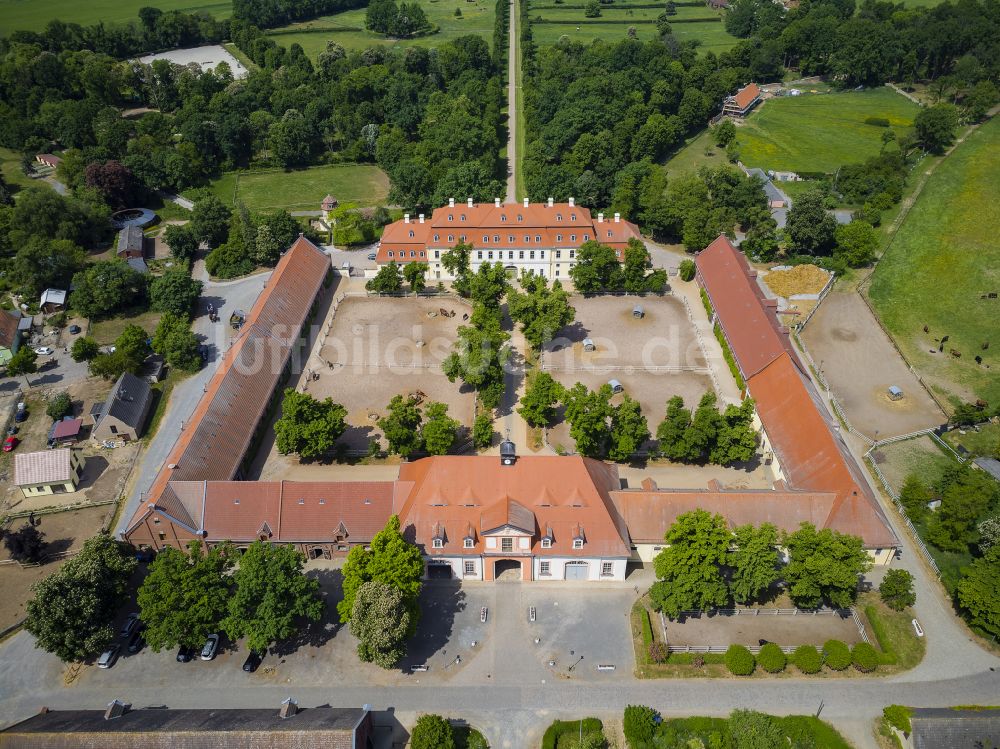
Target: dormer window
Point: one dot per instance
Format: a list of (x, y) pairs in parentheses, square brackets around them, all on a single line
[(437, 237), (546, 543), (496, 237), (486, 239), (558, 217), (609, 233), (577, 543), (468, 543), (463, 217), (572, 217), (451, 216), (411, 233), (438, 543), (520, 217), (451, 238), (559, 237), (503, 218)]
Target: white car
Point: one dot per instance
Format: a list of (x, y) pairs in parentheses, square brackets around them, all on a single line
[(210, 648), (109, 656), (44, 351)]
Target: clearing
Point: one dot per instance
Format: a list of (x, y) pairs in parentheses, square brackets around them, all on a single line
[(942, 262), (18, 15), (348, 28), (304, 189), (821, 132), (207, 58)]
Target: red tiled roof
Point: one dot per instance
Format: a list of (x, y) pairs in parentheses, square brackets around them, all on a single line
[(746, 95), (746, 317), (8, 328), (67, 428), (313, 511)]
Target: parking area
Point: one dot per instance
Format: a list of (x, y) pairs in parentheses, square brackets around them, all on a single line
[(748, 629)]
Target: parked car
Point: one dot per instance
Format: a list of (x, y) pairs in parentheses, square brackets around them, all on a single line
[(74, 329), (10, 443), (210, 648), (21, 416), (185, 654), (253, 660), (109, 656), (372, 255), (135, 642), (130, 624), (44, 351)]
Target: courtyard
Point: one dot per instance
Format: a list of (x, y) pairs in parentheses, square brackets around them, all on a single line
[(749, 628)]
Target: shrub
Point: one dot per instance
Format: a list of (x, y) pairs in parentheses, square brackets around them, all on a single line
[(864, 657), (740, 661), (559, 727), (771, 658), (877, 121), (896, 590), (898, 716), (59, 406), (836, 654), (698, 660), (687, 270), (647, 628), (807, 659), (657, 652), (638, 725)]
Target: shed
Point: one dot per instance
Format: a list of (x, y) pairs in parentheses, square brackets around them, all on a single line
[(588, 344), (895, 393), (131, 242), (53, 300), (638, 311), (153, 369), (616, 386), (65, 432)]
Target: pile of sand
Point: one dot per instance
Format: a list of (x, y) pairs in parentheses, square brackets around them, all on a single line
[(802, 279)]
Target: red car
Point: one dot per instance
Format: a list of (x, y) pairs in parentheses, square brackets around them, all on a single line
[(10, 443)]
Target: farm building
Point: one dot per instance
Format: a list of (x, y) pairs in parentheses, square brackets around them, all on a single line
[(66, 431), (739, 104), (48, 471), (53, 300), (123, 415), (48, 159), (131, 242)]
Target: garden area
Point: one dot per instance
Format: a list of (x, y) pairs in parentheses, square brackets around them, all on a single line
[(947, 241), (348, 28)]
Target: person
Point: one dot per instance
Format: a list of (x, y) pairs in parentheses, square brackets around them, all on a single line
[(31, 519)]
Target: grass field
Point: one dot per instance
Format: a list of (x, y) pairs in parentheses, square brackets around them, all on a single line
[(32, 15), (10, 167), (820, 133), (697, 152), (348, 28), (942, 259), (304, 189), (982, 443)]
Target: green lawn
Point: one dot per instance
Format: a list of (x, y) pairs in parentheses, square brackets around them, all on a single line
[(348, 28), (10, 166), (304, 189), (942, 259), (32, 15), (711, 34), (697, 152), (821, 132), (984, 443)]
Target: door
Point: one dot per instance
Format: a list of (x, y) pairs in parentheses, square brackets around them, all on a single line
[(577, 571)]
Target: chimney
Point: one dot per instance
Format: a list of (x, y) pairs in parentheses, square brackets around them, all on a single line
[(550, 202), (289, 707), (649, 485), (116, 709), (470, 202), (451, 202), (600, 218), (572, 202), (406, 218), (525, 202), (496, 202), (421, 218), (618, 218)]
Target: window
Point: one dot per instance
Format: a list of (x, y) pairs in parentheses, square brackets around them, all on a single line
[(438, 543), (156, 521), (463, 217), (527, 238), (572, 217), (546, 543), (607, 569), (538, 237), (163, 536), (437, 237), (437, 254), (558, 254), (510, 254), (559, 237), (586, 237), (422, 254), (411, 233), (510, 238), (577, 543), (572, 254), (609, 233), (470, 568), (113, 428), (496, 238), (413, 253), (572, 237), (469, 543), (503, 218), (461, 237), (520, 217), (390, 253), (542, 254), (520, 254), (545, 568), (486, 239), (479, 255), (506, 544), (489, 255), (558, 217), (532, 254), (451, 216)]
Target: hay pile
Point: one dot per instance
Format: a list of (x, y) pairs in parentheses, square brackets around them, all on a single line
[(802, 279)]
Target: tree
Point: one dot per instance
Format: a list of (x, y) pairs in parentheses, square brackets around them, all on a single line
[(390, 559), (688, 570), (687, 270), (896, 590), (84, 349), (388, 280), (588, 412), (26, 544), (978, 102), (266, 248), (750, 729), (456, 262), (182, 241), (210, 220), (22, 364), (270, 593), (174, 340), (415, 275), (540, 398), (401, 426), (541, 312), (597, 268), (706, 423), (989, 533), (857, 243), (114, 181), (381, 623), (638, 725), (735, 437), (105, 287), (914, 496), (671, 435), (40, 263), (290, 139), (308, 427), (479, 355), (824, 566), (966, 495), (72, 609), (440, 430), (753, 562), (482, 431), (184, 596), (629, 430), (935, 126), (979, 595), (633, 272), (175, 291), (432, 732), (724, 133), (59, 406), (810, 228), (592, 9)]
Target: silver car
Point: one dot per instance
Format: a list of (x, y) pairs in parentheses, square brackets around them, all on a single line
[(210, 648), (109, 656)]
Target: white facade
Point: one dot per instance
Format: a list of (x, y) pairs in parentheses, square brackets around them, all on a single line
[(578, 568)]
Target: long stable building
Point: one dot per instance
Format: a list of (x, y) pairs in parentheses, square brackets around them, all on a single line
[(538, 237), (477, 517)]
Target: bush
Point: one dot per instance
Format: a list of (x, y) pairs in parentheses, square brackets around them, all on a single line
[(836, 654), (687, 270), (864, 657), (647, 628), (898, 716), (877, 121), (59, 406), (896, 590), (638, 725), (560, 727), (807, 659), (888, 655), (657, 652), (771, 658), (740, 661)]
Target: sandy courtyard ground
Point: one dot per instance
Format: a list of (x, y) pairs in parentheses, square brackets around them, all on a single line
[(860, 363), (803, 629), (207, 58)]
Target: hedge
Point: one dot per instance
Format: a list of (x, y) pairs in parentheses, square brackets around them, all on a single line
[(728, 356), (836, 654), (647, 629), (772, 658), (807, 659), (707, 303), (560, 727), (687, 659), (740, 661), (877, 121), (618, 21), (888, 655), (898, 716), (864, 657)]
